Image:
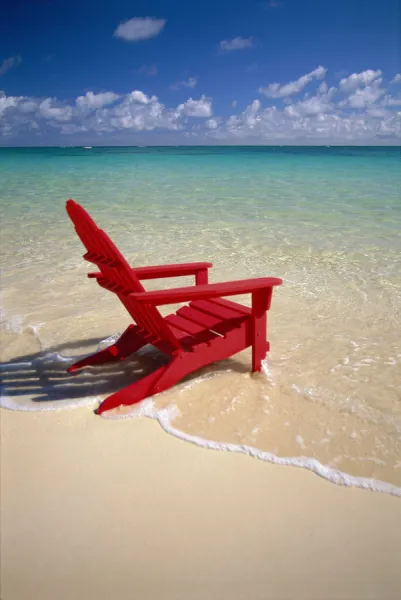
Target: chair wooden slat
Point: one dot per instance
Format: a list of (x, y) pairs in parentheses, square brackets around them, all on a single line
[(239, 308), (189, 312), (214, 309), (117, 275)]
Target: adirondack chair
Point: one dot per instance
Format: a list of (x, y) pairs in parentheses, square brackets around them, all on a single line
[(209, 328)]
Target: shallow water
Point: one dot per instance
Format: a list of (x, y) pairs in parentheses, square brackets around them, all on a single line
[(325, 220)]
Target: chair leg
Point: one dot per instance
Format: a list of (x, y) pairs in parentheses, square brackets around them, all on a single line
[(133, 393), (130, 341), (260, 346), (258, 355), (163, 378), (179, 367)]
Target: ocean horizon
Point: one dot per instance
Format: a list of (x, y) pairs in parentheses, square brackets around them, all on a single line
[(395, 144)]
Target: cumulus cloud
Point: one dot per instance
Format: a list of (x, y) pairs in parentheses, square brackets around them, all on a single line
[(196, 108), (50, 111), (139, 97), (378, 113), (271, 125), (362, 90), (28, 106), (137, 111), (92, 101), (190, 82), (355, 81), (138, 28), (9, 63), (366, 113), (391, 100), (276, 90), (362, 98), (316, 105), (7, 102), (237, 43), (212, 124), (396, 79)]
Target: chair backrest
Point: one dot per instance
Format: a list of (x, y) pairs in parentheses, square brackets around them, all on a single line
[(117, 276)]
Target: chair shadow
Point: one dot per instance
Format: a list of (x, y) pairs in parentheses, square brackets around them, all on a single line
[(43, 377)]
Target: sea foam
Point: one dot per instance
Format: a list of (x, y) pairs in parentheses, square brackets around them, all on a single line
[(166, 416)]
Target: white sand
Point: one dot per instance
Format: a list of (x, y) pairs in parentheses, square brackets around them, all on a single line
[(100, 509)]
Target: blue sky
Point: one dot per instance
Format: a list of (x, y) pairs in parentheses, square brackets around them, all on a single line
[(290, 71)]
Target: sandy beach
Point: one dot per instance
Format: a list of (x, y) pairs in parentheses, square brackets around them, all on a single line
[(127, 508), (93, 508), (263, 139), (165, 444)]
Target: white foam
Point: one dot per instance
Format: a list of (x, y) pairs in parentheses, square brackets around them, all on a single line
[(13, 324), (10, 404), (165, 417), (107, 342), (351, 405), (267, 371), (37, 366)]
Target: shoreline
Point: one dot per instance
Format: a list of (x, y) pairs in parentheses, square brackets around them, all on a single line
[(163, 416), (92, 508)]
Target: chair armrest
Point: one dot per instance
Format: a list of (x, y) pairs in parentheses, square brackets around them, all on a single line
[(200, 292), (174, 270)]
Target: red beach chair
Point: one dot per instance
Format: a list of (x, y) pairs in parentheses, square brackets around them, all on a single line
[(209, 328)]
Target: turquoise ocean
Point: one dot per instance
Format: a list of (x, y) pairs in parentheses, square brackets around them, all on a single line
[(327, 220)]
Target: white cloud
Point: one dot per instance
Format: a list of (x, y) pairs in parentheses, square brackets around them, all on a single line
[(139, 97), (390, 101), (276, 90), (237, 43), (234, 103), (396, 79), (7, 102), (379, 113), (28, 106), (190, 83), (137, 111), (362, 98), (357, 80), (196, 108), (92, 101), (369, 114), (212, 124), (139, 29), (9, 63), (251, 114), (314, 120), (70, 128), (316, 105), (58, 113), (362, 90)]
